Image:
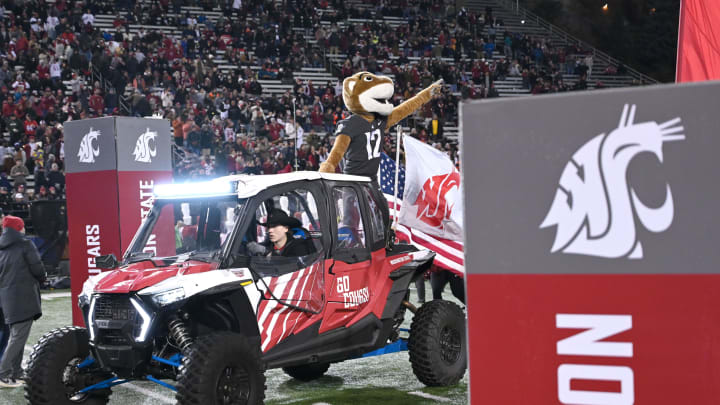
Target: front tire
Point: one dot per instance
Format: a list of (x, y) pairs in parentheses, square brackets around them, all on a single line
[(437, 344), (222, 368), (52, 375), (307, 372)]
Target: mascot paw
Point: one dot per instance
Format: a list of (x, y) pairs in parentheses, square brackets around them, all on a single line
[(436, 88), (326, 167)]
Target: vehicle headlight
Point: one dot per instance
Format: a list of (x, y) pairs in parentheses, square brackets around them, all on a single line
[(91, 320), (168, 297), (146, 319)]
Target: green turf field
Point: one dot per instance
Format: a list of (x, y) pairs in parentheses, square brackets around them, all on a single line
[(386, 379)]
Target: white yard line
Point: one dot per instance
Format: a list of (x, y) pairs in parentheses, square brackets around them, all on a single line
[(429, 396), (147, 392), (52, 296)]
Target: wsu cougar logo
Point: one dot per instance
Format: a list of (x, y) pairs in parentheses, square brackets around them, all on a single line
[(87, 153), (594, 208), (143, 152), (433, 207)]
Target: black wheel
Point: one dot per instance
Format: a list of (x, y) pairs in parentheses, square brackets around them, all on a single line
[(53, 377), (222, 368), (307, 372), (437, 344)]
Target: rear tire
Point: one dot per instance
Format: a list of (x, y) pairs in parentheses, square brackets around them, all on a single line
[(52, 377), (307, 372), (437, 344), (222, 368)]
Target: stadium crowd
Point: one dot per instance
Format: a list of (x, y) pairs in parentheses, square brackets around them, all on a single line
[(460, 48), (222, 121)]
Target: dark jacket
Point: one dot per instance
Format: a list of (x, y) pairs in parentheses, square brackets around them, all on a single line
[(21, 273), (57, 179), (294, 247)]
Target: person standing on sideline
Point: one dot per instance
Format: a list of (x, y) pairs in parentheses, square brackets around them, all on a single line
[(4, 328), (4, 334), (21, 272)]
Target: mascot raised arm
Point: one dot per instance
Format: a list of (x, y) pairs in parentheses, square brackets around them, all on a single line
[(359, 138)]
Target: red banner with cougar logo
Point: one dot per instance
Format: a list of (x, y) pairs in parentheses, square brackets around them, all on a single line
[(592, 247), (110, 182), (698, 41)]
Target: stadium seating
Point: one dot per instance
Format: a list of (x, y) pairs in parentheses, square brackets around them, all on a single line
[(312, 62)]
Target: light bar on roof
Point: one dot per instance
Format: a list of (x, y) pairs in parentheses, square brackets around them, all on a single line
[(206, 189)]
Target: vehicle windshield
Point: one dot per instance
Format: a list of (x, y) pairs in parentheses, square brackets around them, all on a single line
[(181, 229)]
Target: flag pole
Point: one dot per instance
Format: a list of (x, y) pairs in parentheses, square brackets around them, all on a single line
[(397, 174), (296, 135)]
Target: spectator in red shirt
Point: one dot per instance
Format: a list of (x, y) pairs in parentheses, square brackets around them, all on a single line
[(119, 21), (234, 162), (20, 109), (313, 159), (68, 36), (284, 167), (268, 167), (8, 107), (48, 100), (43, 70), (30, 125), (274, 128), (327, 96), (171, 53), (224, 41), (38, 108), (96, 102), (22, 44), (61, 5), (27, 151), (316, 117)]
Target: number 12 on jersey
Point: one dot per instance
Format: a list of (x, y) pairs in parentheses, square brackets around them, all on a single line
[(373, 143)]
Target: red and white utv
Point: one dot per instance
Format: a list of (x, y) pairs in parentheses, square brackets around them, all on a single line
[(191, 308)]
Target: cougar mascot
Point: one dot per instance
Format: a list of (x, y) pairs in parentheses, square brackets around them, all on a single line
[(359, 138)]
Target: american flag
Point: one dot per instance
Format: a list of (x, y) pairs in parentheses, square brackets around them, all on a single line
[(450, 255), (387, 177)]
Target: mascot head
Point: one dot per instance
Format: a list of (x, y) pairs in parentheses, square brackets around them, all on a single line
[(365, 93)]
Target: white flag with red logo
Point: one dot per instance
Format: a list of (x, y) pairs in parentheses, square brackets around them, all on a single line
[(432, 201)]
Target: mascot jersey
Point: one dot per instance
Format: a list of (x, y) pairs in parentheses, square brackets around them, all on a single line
[(359, 138), (362, 157)]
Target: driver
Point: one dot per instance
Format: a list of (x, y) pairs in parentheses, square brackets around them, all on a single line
[(282, 242)]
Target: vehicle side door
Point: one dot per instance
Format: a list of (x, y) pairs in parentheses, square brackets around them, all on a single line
[(291, 289), (348, 291)]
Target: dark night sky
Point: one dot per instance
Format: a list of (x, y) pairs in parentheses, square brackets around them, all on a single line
[(641, 33)]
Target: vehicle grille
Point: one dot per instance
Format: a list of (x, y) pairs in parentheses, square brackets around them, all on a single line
[(122, 311), (115, 309)]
